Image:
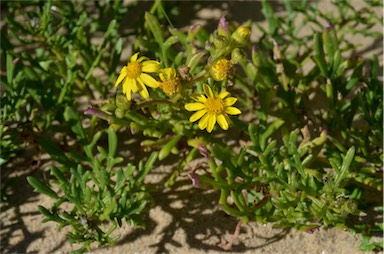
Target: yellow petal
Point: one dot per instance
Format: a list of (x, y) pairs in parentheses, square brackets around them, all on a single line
[(127, 90), (230, 101), (131, 84), (232, 111), (121, 77), (194, 106), (148, 80), (144, 93), (208, 90), (203, 122), (134, 57), (211, 122), (150, 66), (224, 94), (199, 97), (197, 115), (222, 120)]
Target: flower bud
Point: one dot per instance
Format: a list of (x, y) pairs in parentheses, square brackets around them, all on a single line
[(238, 56), (122, 102), (119, 113), (242, 35), (223, 27), (220, 42)]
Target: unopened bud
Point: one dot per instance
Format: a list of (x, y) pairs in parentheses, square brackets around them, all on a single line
[(242, 35), (122, 102), (119, 113), (223, 27), (238, 56), (220, 42)]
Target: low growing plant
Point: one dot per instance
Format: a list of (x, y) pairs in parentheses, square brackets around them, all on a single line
[(290, 126)]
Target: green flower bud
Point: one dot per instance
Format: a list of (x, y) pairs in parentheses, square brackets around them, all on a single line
[(122, 102), (120, 113), (238, 56), (242, 35), (220, 42)]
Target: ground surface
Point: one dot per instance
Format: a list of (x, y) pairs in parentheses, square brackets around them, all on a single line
[(183, 219)]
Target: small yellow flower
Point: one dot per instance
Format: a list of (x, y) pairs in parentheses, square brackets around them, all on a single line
[(222, 70), (170, 82), (134, 76), (212, 108)]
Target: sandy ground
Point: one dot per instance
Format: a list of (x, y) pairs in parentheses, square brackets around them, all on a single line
[(183, 219)]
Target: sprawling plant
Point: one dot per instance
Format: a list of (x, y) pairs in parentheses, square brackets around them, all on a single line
[(289, 124)]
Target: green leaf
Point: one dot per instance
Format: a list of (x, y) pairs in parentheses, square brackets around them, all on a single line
[(271, 129), (112, 142), (74, 122), (10, 68), (41, 187), (155, 27), (166, 150), (147, 167), (319, 56), (345, 165)]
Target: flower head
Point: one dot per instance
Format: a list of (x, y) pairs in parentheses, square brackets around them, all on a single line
[(222, 70), (212, 108), (242, 35), (134, 76), (170, 82)]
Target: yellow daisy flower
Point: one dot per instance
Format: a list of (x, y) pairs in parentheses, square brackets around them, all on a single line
[(170, 82), (222, 70), (212, 108), (134, 76)]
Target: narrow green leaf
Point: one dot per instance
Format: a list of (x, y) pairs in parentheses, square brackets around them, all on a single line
[(155, 27), (112, 142), (41, 187), (319, 56), (147, 167), (10, 68), (271, 129), (74, 122), (345, 165), (166, 150)]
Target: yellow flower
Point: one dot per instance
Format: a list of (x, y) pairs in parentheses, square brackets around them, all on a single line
[(170, 82), (212, 108), (222, 70), (134, 76)]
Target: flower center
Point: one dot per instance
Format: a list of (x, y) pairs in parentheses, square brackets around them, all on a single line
[(214, 106), (222, 69), (133, 70), (170, 86)]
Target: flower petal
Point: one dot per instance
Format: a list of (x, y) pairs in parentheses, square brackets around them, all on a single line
[(211, 122), (199, 97), (232, 111), (150, 66), (197, 115), (208, 90), (134, 57), (131, 85), (121, 77), (230, 101), (224, 94), (144, 92), (203, 121), (127, 90), (148, 80), (222, 120), (194, 106)]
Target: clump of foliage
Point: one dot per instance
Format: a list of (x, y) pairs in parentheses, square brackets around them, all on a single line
[(304, 115)]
